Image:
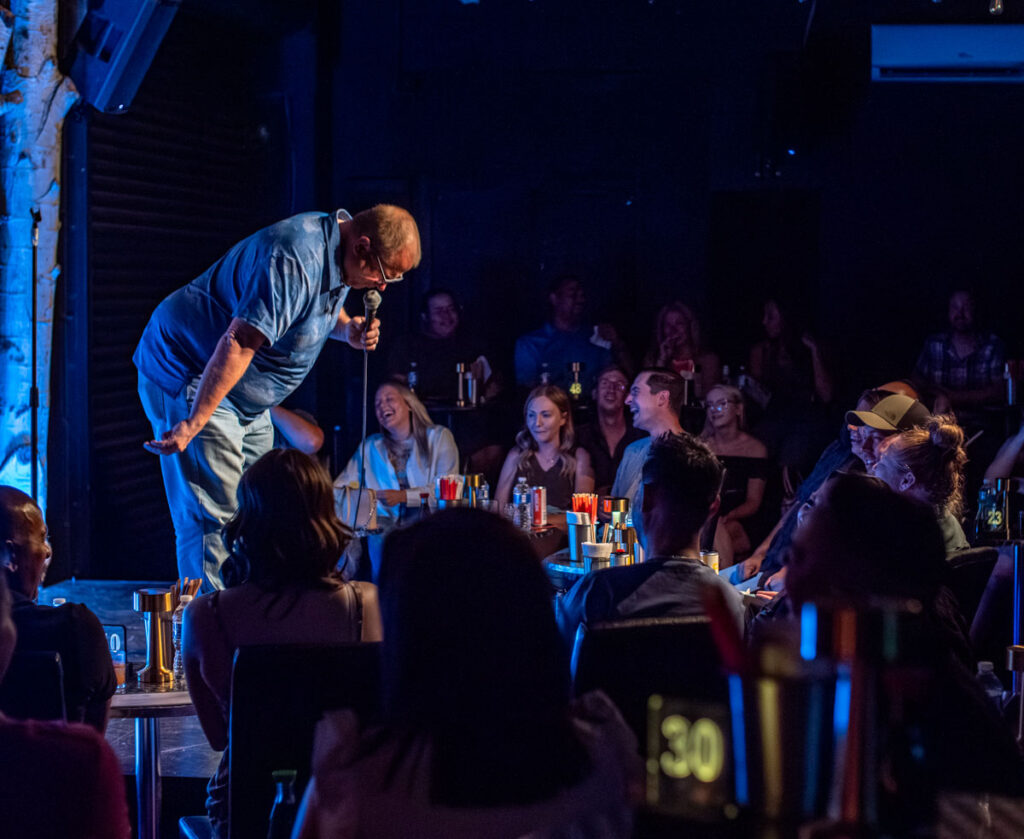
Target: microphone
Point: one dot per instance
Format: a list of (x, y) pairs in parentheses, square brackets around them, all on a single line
[(371, 302)]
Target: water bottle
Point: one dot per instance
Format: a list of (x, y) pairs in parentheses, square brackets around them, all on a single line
[(176, 618), (483, 496), (282, 815), (414, 376), (990, 683), (521, 499), (545, 374)]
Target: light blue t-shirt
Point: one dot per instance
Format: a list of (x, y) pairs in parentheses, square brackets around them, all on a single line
[(285, 280), (629, 483), (559, 349)]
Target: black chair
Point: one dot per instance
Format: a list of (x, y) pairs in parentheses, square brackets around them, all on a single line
[(33, 687), (632, 659), (278, 694), (969, 573)]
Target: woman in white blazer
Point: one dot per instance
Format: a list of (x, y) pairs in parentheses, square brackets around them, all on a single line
[(402, 462)]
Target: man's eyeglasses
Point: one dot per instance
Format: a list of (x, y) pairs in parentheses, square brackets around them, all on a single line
[(384, 276)]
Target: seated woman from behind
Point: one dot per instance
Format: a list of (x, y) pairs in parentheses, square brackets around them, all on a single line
[(546, 453), (928, 464), (281, 588), (745, 459), (480, 737)]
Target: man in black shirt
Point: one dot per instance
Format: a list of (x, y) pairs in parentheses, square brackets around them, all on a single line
[(681, 480), (71, 629)]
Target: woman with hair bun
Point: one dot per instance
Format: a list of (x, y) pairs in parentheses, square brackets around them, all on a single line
[(928, 464)]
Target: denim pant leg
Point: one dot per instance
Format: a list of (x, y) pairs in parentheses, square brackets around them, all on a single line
[(202, 482)]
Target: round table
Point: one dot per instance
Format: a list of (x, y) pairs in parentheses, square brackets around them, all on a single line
[(147, 704)]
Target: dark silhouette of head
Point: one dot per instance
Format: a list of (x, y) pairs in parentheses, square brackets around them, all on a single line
[(24, 547), (858, 539), (473, 659), (682, 479), (285, 530)]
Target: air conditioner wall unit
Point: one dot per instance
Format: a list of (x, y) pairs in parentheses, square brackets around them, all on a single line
[(947, 53)]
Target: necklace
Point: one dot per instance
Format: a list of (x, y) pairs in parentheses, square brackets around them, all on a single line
[(546, 461)]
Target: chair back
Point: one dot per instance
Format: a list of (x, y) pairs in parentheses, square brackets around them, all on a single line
[(632, 659), (278, 694), (33, 687), (969, 572)]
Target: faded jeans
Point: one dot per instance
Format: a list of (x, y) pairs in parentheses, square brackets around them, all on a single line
[(202, 482)]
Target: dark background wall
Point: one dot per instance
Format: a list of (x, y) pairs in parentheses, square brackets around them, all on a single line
[(661, 149), (646, 146)]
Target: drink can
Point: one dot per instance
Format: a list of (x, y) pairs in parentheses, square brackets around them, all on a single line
[(710, 559), (539, 495)]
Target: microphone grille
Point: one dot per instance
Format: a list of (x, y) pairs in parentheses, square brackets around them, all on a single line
[(371, 299)]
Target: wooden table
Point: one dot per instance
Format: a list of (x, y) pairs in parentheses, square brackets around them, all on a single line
[(147, 704)]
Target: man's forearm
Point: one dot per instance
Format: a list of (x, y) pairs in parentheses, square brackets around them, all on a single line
[(230, 360)]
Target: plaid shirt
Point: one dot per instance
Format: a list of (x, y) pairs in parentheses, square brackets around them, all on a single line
[(940, 365)]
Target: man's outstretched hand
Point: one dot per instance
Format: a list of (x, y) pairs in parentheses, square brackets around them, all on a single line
[(174, 441)]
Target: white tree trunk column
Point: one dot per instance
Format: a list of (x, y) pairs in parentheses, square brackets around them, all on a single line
[(34, 99)]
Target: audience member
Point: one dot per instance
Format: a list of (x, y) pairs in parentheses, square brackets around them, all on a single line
[(855, 448), (57, 780), (565, 339), (546, 453), (677, 346), (654, 400), (1007, 462), (437, 347), (606, 437), (682, 479), (862, 541), (480, 737), (965, 365), (928, 465), (402, 462), (746, 463), (70, 629), (790, 366), (284, 542)]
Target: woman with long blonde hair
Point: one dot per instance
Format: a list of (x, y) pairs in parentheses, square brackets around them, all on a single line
[(545, 452), (402, 462), (677, 346)]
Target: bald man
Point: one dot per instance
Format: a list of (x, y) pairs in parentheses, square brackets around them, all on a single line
[(218, 353)]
